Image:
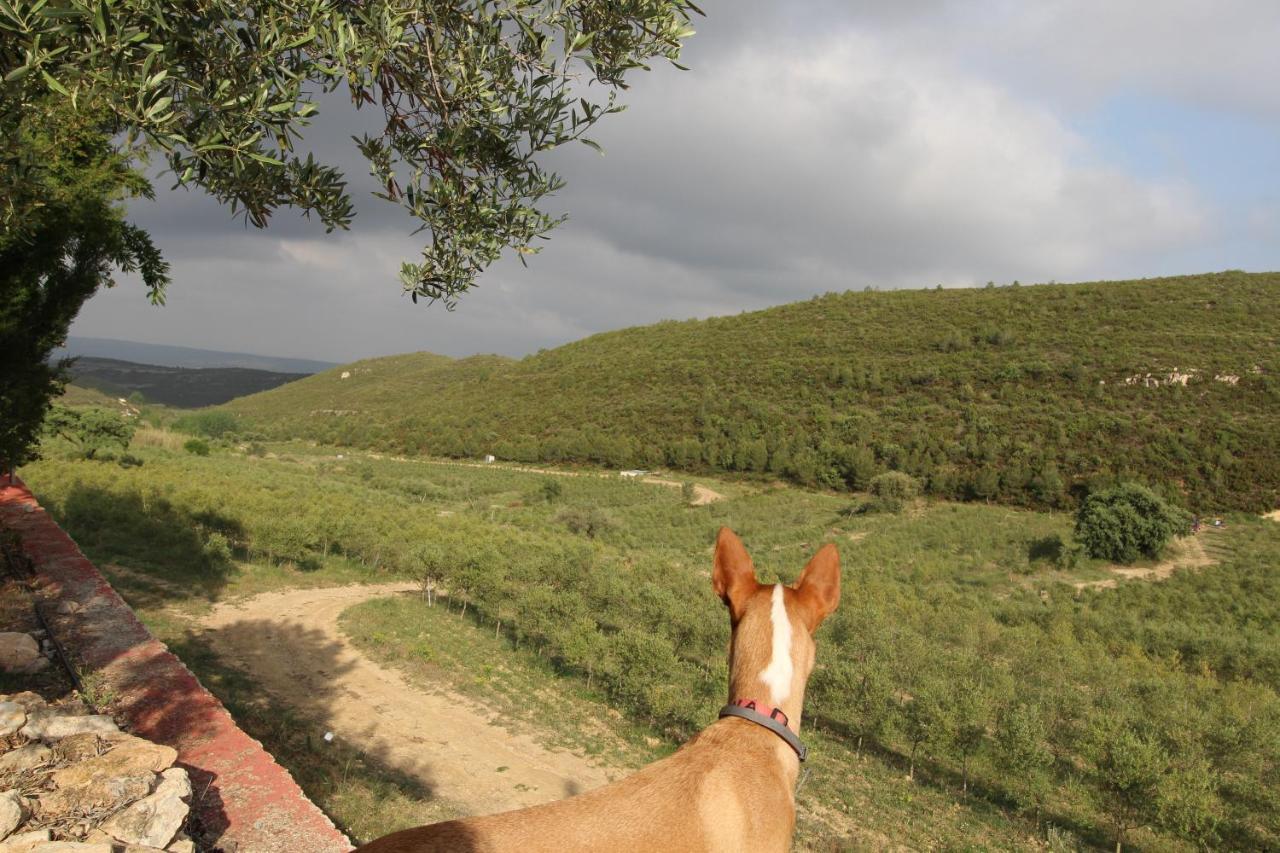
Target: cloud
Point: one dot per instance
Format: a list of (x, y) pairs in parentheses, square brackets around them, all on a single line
[(1220, 55), (876, 167), (813, 147)]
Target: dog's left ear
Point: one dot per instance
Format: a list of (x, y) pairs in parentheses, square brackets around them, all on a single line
[(818, 590)]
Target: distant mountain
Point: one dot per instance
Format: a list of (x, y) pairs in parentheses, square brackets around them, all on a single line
[(173, 356), (183, 387), (1025, 395)]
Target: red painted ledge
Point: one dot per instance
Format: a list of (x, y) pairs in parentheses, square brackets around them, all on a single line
[(246, 802)]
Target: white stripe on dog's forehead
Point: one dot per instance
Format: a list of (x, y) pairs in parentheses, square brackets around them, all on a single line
[(777, 675)]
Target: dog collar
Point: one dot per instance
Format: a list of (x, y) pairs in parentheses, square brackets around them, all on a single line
[(776, 722)]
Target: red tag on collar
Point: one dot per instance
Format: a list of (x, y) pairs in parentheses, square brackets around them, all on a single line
[(759, 707)]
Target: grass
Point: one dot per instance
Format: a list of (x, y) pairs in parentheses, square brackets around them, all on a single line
[(846, 802), (965, 584)]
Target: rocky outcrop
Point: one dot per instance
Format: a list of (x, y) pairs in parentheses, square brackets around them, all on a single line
[(72, 782), (20, 654)]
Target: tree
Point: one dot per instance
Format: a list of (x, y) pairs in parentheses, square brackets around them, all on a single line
[(966, 715), (63, 231), (471, 94), (1126, 522), (90, 430), (1128, 768), (1024, 755)]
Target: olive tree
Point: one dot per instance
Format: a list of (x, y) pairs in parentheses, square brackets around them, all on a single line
[(470, 92), (468, 96)]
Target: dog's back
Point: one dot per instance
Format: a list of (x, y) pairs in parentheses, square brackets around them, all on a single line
[(723, 791)]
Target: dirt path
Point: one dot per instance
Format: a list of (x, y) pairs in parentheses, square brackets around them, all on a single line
[(701, 494), (1189, 554), (289, 641), (1274, 515)]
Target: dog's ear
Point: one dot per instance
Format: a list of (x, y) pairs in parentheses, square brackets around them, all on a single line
[(818, 590), (734, 576)]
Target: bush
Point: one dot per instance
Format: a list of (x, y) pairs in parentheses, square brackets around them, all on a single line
[(217, 548), (551, 490), (197, 446), (895, 486), (589, 520), (214, 424), (1126, 522)]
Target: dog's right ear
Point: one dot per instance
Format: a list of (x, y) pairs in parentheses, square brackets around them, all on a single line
[(734, 576)]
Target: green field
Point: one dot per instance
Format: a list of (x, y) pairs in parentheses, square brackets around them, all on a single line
[(963, 655), (1025, 395)]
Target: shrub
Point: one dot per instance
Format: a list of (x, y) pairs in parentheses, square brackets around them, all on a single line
[(895, 485), (1126, 522), (551, 490), (197, 446), (214, 424), (589, 520), (217, 548)]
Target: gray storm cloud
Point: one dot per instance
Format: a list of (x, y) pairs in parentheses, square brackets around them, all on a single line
[(813, 147)]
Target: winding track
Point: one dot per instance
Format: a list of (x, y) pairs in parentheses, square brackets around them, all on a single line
[(289, 643)]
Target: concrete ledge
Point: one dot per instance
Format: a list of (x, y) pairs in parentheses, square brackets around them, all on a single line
[(245, 801)]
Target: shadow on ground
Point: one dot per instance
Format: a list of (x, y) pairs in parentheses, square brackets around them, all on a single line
[(172, 553), (338, 774)]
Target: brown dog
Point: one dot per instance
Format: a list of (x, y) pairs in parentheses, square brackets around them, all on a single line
[(730, 788)]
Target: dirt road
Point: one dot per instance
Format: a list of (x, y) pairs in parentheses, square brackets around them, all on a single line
[(1188, 553), (290, 643)]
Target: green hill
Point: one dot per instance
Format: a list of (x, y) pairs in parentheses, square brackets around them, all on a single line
[(1018, 394)]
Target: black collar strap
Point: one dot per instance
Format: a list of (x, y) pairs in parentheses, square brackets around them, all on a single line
[(746, 709)]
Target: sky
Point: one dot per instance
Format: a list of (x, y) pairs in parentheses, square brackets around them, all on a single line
[(813, 147)]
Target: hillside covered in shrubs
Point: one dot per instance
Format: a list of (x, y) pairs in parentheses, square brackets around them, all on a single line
[(1024, 395)]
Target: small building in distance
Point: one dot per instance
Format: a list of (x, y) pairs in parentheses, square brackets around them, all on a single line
[(488, 457)]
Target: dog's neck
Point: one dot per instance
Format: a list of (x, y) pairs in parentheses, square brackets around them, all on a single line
[(770, 658)]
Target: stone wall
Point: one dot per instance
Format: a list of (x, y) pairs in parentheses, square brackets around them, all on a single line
[(244, 801)]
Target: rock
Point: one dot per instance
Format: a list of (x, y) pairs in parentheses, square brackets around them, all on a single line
[(40, 664), (18, 652), (12, 717), (182, 845), (23, 842), (28, 700), (47, 725), (13, 811), (25, 758), (76, 748), (129, 756), (97, 794), (65, 847), (66, 607), (156, 819), (97, 836)]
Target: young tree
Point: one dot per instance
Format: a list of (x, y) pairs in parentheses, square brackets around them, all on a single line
[(1024, 755), (1128, 766), (966, 715)]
